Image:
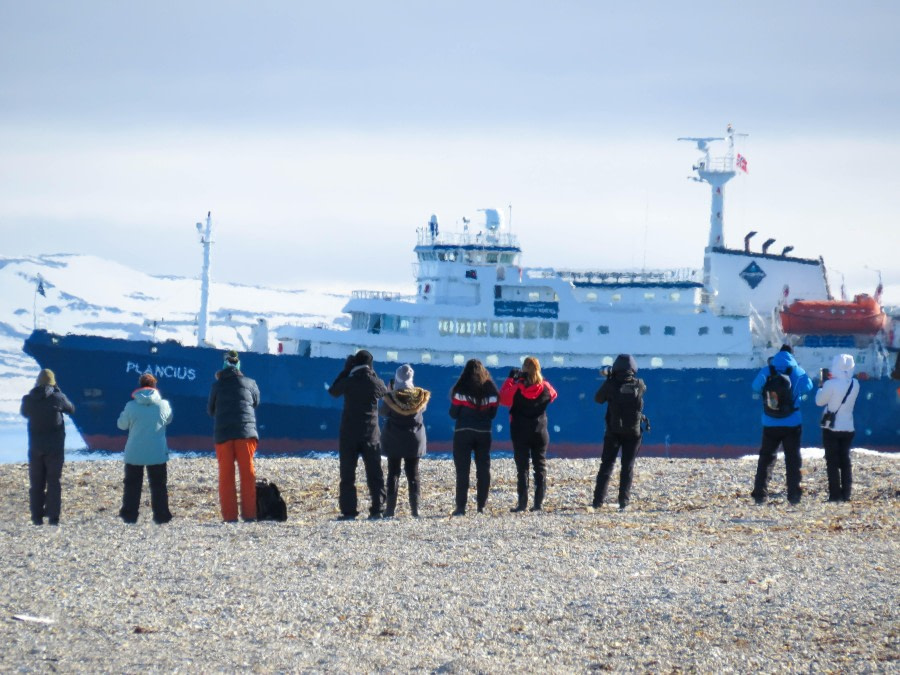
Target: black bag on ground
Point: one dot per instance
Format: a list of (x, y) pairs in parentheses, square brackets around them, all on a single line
[(777, 394), (269, 502)]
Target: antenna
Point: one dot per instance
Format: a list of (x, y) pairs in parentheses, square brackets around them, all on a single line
[(202, 318)]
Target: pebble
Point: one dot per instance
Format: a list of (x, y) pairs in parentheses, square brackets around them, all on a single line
[(693, 576)]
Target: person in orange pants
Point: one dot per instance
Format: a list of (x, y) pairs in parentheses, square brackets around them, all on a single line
[(233, 399)]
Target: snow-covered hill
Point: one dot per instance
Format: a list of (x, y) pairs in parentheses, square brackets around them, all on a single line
[(89, 295)]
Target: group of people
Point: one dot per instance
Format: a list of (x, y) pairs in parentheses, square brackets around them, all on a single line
[(474, 402)]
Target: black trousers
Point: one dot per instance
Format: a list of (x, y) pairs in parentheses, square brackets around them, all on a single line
[(45, 493), (789, 439), (465, 443), (157, 476), (349, 453), (533, 446), (612, 443), (410, 466), (837, 460)]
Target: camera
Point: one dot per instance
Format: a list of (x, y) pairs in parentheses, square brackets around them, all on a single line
[(606, 371), (515, 374), (824, 374), (828, 419)]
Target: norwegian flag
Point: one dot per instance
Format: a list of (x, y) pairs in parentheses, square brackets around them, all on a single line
[(741, 162)]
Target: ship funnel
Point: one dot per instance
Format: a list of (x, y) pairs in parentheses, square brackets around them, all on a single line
[(747, 239), (786, 250), (767, 244)]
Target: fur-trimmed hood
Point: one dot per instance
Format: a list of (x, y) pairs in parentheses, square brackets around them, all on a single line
[(407, 401)]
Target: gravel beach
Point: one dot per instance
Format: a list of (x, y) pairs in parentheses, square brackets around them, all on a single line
[(692, 577)]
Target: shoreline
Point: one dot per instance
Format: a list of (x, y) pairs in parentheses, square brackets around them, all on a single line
[(692, 576)]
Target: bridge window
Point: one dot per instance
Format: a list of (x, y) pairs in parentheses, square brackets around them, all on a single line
[(446, 327), (562, 330), (498, 328), (530, 330), (481, 328), (546, 329), (359, 320), (512, 329)]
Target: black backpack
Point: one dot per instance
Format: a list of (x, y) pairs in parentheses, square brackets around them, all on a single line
[(777, 394), (269, 502), (626, 405)]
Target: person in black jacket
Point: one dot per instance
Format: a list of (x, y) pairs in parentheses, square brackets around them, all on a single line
[(359, 435), (233, 399), (403, 437), (528, 394), (624, 394), (473, 404), (44, 406)]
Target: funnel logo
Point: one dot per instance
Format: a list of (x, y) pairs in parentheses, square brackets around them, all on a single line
[(752, 274)]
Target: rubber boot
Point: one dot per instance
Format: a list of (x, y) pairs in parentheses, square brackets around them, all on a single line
[(391, 504), (522, 489), (540, 487), (414, 503)]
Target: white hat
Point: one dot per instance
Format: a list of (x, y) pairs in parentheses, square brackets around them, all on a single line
[(403, 378)]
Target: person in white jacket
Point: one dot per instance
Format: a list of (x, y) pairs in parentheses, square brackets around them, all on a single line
[(838, 394)]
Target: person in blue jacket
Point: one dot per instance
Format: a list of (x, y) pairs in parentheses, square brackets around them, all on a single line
[(145, 418), (781, 430)]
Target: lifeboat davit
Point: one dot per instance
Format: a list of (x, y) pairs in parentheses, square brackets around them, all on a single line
[(862, 316)]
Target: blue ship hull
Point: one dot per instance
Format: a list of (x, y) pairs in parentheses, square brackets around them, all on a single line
[(694, 413)]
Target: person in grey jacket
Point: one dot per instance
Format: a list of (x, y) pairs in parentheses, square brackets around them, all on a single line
[(44, 406), (403, 437), (145, 418), (233, 399)]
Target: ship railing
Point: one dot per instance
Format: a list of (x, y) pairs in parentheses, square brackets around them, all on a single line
[(504, 239), (382, 295), (615, 277)]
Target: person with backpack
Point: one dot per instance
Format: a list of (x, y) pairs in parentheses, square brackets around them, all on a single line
[(145, 418), (473, 404), (781, 384), (359, 434), (403, 437), (624, 395), (44, 407), (838, 393), (528, 394), (233, 399)]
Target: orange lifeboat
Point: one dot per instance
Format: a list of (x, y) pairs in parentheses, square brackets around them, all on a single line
[(862, 316)]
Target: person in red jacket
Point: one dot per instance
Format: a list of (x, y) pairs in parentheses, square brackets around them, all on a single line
[(528, 394)]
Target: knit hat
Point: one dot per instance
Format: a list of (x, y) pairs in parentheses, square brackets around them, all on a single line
[(403, 378), (362, 358), (232, 359), (46, 378), (787, 348)]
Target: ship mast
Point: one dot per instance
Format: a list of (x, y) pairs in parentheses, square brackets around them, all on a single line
[(716, 172), (202, 318)]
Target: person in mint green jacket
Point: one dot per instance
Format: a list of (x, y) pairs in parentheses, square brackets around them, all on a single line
[(145, 418)]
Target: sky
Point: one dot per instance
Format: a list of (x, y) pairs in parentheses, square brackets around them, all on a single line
[(321, 135)]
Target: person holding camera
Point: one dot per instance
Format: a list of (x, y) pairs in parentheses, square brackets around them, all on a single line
[(403, 437), (473, 404), (838, 393), (528, 394), (623, 393), (781, 383), (44, 407), (359, 434)]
